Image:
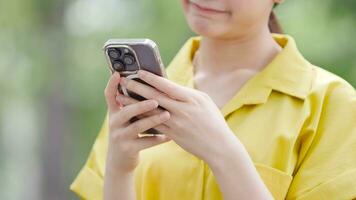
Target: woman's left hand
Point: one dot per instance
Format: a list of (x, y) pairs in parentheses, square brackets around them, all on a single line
[(196, 123)]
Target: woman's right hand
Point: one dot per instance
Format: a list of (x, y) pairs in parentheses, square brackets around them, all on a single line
[(124, 142)]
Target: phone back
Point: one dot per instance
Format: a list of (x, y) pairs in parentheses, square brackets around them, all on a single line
[(144, 52), (127, 56)]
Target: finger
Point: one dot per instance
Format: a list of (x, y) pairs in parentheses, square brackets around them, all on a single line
[(163, 128), (164, 85), (144, 124), (119, 102), (125, 100), (146, 142), (132, 110), (151, 93), (110, 92)]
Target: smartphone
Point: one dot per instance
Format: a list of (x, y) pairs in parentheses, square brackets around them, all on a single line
[(127, 56)]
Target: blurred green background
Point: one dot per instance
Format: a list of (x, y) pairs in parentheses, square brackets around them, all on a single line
[(53, 74)]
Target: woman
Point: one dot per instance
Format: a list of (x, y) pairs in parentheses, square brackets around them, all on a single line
[(247, 118)]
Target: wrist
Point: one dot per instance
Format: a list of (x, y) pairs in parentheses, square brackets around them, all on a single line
[(118, 184), (120, 165), (229, 156), (113, 170), (117, 178)]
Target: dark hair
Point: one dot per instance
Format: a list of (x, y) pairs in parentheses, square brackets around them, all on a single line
[(273, 23)]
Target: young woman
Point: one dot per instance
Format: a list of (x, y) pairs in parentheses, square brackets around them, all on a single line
[(247, 118)]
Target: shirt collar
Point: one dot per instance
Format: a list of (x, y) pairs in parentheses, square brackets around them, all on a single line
[(288, 72)]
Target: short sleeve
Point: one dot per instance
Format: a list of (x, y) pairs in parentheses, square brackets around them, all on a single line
[(88, 184), (328, 169)]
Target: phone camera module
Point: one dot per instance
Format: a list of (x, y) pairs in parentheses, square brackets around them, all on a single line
[(114, 53), (118, 66), (129, 59)]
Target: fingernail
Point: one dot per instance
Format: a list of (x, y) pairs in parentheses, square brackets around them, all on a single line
[(119, 98), (117, 74), (154, 103), (164, 115), (123, 81)]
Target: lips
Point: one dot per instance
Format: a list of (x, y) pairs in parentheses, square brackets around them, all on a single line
[(206, 9)]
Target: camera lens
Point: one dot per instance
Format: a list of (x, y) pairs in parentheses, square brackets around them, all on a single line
[(118, 66), (114, 53), (129, 59)]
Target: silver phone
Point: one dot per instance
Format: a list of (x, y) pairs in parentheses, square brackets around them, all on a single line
[(127, 56)]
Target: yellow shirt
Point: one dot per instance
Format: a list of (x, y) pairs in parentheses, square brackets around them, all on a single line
[(296, 120)]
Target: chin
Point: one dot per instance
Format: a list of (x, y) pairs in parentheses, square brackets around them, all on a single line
[(206, 28), (201, 27), (209, 25)]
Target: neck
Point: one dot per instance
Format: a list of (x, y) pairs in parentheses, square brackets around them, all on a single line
[(251, 52)]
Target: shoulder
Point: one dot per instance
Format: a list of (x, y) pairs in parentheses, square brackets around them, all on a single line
[(330, 88), (326, 160), (331, 106), (323, 77)]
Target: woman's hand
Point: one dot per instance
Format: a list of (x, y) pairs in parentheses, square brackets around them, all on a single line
[(196, 123), (124, 142)]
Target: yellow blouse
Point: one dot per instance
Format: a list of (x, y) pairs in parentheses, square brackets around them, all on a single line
[(296, 120)]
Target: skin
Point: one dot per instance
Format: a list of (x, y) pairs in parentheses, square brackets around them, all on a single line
[(236, 44)]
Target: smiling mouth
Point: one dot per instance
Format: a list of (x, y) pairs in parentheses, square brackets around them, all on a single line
[(205, 9)]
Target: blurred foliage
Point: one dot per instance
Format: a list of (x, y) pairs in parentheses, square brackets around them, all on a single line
[(53, 73), (344, 7)]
